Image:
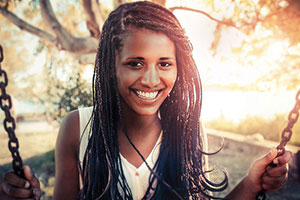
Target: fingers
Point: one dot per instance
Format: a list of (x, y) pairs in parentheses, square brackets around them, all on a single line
[(285, 158), (273, 183), (15, 187), (263, 162), (259, 167), (275, 177), (262, 175), (34, 182), (15, 192), (280, 170), (14, 180)]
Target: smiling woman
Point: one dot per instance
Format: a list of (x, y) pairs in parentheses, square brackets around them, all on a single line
[(146, 70), (143, 138)]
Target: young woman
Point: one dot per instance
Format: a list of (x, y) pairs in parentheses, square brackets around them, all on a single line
[(142, 139)]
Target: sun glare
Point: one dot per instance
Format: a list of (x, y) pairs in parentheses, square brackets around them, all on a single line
[(226, 67), (276, 50)]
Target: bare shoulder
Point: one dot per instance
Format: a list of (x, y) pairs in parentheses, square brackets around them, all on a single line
[(66, 158), (70, 129)]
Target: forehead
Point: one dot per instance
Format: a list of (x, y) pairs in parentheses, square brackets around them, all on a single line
[(144, 42)]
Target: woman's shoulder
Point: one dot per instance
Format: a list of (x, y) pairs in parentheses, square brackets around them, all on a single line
[(72, 116), (70, 124), (69, 129)]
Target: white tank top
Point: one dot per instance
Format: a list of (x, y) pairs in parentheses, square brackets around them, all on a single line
[(137, 178)]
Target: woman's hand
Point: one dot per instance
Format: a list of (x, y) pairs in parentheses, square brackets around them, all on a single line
[(263, 176), (14, 187)]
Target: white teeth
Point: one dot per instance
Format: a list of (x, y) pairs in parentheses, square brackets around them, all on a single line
[(146, 95)]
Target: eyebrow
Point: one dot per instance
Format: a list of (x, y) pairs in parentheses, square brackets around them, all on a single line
[(167, 58), (162, 58)]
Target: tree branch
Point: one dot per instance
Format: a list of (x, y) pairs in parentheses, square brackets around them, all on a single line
[(91, 21), (65, 41), (227, 22), (97, 12), (25, 26)]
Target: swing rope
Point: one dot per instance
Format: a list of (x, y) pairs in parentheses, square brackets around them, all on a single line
[(9, 121), (287, 131), (285, 137)]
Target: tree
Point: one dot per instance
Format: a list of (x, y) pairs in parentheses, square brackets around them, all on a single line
[(64, 94), (56, 34), (246, 16), (57, 29)]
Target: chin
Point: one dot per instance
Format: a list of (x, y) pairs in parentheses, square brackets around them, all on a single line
[(146, 112)]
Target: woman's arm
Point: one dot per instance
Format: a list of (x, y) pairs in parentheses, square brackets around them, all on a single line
[(66, 162), (66, 158), (262, 176)]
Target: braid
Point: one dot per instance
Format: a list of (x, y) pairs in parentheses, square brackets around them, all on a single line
[(179, 168)]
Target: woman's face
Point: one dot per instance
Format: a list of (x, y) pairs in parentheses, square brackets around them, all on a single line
[(146, 70)]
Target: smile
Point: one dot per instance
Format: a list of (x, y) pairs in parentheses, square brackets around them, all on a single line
[(146, 95)]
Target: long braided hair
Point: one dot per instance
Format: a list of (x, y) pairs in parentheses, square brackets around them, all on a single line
[(179, 170)]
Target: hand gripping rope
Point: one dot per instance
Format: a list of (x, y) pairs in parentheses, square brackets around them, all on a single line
[(9, 121), (285, 136)]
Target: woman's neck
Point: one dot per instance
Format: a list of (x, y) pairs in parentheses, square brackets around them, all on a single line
[(142, 130), (139, 125)]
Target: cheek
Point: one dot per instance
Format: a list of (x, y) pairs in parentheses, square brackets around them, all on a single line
[(125, 80), (172, 78)]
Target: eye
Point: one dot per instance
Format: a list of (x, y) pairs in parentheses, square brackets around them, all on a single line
[(165, 64), (135, 64)]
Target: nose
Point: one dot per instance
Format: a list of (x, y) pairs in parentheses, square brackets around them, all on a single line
[(151, 77)]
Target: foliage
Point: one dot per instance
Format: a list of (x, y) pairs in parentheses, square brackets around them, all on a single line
[(64, 92), (270, 128)]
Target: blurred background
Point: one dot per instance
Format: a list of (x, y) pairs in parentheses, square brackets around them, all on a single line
[(247, 53)]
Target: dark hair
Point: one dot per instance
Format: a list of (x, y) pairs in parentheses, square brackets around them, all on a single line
[(180, 167)]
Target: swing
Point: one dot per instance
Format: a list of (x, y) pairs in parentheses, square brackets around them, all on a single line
[(9, 121), (285, 137), (13, 143)]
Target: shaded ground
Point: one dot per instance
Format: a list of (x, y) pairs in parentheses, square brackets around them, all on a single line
[(236, 157)]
